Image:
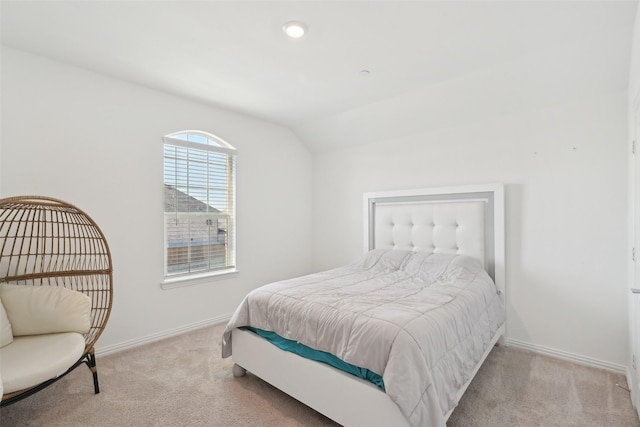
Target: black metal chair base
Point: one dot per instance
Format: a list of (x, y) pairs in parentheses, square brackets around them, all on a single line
[(88, 359)]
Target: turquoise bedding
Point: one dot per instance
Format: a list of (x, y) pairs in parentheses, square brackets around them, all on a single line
[(320, 356)]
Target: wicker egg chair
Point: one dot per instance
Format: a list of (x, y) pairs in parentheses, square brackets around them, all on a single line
[(48, 242)]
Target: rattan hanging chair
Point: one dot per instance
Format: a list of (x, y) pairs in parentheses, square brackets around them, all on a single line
[(48, 242)]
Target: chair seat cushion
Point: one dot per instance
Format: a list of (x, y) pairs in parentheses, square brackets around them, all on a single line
[(34, 359)]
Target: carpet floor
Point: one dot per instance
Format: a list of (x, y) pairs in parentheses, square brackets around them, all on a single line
[(183, 381)]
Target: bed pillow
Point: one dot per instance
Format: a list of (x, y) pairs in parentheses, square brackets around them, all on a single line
[(441, 269), (6, 334), (384, 259), (35, 310)]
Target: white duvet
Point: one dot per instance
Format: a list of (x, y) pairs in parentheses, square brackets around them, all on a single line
[(420, 320)]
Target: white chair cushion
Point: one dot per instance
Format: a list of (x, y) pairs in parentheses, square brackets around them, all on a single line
[(6, 334), (31, 360), (34, 310)]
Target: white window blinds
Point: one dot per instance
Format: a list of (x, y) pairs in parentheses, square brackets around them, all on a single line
[(199, 204)]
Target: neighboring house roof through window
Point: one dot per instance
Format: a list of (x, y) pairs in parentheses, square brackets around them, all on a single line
[(177, 201)]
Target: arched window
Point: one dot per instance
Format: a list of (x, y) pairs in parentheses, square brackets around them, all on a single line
[(199, 205)]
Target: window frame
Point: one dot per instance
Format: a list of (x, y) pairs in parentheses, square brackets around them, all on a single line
[(216, 145)]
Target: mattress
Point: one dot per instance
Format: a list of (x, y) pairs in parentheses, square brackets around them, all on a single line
[(422, 321)]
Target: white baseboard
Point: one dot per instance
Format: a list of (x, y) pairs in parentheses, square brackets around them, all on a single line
[(103, 351), (571, 357)]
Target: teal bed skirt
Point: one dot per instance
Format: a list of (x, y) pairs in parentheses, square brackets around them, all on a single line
[(320, 356)]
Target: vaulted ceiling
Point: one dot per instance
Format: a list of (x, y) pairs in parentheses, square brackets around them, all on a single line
[(429, 64)]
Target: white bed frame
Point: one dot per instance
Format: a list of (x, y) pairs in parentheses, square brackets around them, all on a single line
[(466, 220)]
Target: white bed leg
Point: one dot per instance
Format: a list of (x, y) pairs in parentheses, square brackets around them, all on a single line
[(238, 371)]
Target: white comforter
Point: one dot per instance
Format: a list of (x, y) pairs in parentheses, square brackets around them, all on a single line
[(420, 320)]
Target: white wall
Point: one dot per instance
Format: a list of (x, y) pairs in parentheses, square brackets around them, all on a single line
[(96, 142), (566, 189)]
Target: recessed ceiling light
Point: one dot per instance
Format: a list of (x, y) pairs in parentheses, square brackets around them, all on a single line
[(295, 29)]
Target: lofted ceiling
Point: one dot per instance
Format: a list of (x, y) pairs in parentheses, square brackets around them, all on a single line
[(430, 64)]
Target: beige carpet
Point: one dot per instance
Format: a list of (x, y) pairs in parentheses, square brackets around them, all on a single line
[(182, 381)]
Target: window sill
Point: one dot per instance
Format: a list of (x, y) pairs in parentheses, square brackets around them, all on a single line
[(196, 279)]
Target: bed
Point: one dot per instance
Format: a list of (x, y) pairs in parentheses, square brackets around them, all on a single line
[(421, 309)]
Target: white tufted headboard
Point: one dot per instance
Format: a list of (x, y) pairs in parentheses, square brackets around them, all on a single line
[(466, 220)]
